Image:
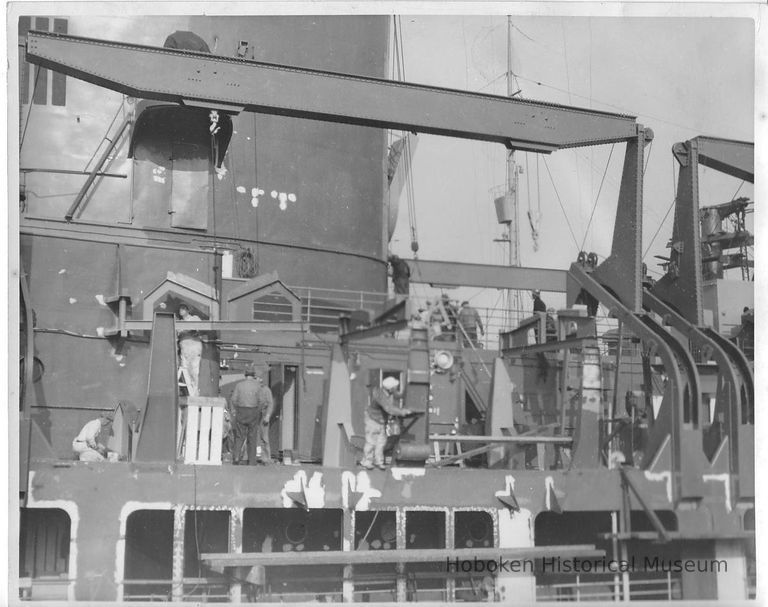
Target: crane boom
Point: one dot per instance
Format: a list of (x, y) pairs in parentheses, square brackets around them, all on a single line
[(235, 84)]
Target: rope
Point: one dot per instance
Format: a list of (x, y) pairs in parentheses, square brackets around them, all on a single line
[(674, 200), (407, 155), (562, 208), (597, 198), (648, 159), (29, 111), (736, 193)]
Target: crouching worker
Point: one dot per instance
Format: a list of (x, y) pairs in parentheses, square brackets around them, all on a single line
[(382, 405), (89, 445)]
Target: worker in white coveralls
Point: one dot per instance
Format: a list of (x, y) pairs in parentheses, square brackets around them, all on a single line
[(382, 405), (190, 351), (90, 444)]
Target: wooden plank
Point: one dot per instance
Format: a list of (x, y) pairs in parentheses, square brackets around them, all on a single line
[(217, 434), (339, 557), (204, 441), (190, 453)]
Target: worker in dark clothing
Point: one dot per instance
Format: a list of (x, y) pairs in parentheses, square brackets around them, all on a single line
[(252, 406), (587, 299), (747, 334), (401, 275), (538, 306), (382, 405), (469, 322)]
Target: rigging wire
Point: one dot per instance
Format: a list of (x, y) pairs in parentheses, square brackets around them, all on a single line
[(29, 111), (606, 104), (562, 208), (736, 193), (648, 158), (661, 225), (407, 152), (597, 198), (674, 200)]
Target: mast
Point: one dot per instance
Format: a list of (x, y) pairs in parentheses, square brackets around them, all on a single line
[(514, 303)]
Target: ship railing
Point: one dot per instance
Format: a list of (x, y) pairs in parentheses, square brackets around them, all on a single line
[(147, 590), (321, 308), (44, 587), (586, 588)]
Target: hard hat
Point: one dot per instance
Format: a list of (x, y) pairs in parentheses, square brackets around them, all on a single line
[(390, 383), (536, 292)]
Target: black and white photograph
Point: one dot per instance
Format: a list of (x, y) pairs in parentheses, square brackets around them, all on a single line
[(384, 302)]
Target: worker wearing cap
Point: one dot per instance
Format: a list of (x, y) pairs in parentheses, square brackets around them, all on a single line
[(252, 406), (89, 445), (382, 405)]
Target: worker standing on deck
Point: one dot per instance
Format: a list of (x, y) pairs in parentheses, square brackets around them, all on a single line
[(190, 351), (450, 314), (469, 322), (382, 405), (252, 405), (90, 444), (401, 275), (538, 303), (435, 319), (538, 306)]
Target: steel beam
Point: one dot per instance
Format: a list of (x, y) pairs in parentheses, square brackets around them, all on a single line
[(422, 555), (452, 274), (234, 84), (157, 438), (222, 325), (681, 286), (734, 158), (622, 271)]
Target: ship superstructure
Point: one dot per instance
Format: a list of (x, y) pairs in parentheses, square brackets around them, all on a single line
[(564, 449)]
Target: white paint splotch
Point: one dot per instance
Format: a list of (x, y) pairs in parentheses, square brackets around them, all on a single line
[(314, 489)]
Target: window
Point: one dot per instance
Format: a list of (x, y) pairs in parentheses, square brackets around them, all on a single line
[(204, 531), (376, 530), (425, 529), (44, 537), (295, 530), (149, 555)]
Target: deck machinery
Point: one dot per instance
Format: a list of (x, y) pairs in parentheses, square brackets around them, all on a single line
[(618, 471)]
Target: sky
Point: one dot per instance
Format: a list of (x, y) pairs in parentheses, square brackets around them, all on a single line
[(682, 77)]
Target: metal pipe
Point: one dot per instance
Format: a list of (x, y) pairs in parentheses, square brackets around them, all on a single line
[(94, 173), (67, 172), (615, 405), (472, 438), (29, 358)]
